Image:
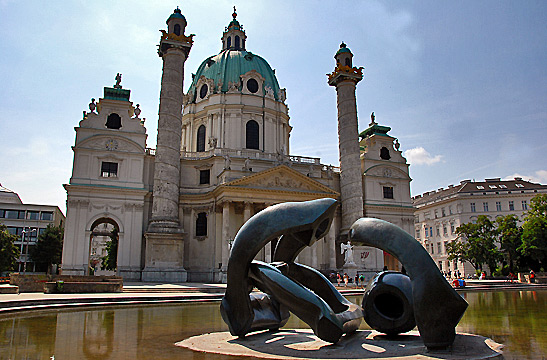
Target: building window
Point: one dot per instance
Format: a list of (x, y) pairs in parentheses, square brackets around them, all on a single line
[(14, 214), (485, 206), (446, 243), (203, 91), (445, 230), (473, 209), (417, 233), (2, 213), (511, 206), (204, 176), (33, 215), (439, 249), (109, 169), (201, 139), (237, 42), (201, 224), (438, 231), (498, 205), (252, 85), (452, 228), (450, 209), (431, 231), (46, 215), (432, 249), (251, 135), (384, 153), (388, 192), (229, 42), (114, 121), (524, 205), (177, 29), (519, 185), (443, 212)]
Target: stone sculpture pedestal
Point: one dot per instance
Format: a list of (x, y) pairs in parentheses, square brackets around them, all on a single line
[(364, 344)]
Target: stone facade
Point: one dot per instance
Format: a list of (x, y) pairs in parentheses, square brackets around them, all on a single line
[(232, 159)]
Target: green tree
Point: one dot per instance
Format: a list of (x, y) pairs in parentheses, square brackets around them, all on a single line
[(534, 231), (510, 238), (49, 247), (8, 251), (476, 244), (109, 262)]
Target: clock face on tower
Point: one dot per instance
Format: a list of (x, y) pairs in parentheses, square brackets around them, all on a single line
[(111, 144)]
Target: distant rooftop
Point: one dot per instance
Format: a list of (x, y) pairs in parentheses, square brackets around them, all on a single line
[(488, 186), (9, 196)]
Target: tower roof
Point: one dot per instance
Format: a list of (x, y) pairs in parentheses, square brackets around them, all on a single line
[(343, 49), (177, 14)]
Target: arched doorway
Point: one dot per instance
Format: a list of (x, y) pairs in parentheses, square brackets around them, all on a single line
[(103, 247)]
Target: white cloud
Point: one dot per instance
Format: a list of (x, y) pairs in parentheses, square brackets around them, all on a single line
[(539, 176), (420, 156)]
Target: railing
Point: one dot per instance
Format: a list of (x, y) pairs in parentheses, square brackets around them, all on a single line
[(250, 154)]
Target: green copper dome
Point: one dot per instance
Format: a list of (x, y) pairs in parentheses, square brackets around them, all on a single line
[(343, 49), (229, 65), (177, 14)]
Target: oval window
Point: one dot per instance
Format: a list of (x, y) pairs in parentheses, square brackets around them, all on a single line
[(252, 85), (203, 91)]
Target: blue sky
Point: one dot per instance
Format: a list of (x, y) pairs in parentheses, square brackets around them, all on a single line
[(463, 85)]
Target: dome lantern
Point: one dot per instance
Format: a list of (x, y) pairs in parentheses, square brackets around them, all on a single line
[(234, 36)]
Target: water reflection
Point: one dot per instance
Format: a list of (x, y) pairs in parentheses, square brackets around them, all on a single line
[(516, 319)]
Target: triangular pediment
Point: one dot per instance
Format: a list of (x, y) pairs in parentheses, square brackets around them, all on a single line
[(281, 178)]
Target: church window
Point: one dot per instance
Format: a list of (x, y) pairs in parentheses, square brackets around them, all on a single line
[(201, 224), (388, 192), (177, 29), (252, 85), (348, 62), (237, 42), (229, 42), (114, 121), (384, 153), (109, 169), (201, 139), (204, 176), (251, 135), (203, 91)]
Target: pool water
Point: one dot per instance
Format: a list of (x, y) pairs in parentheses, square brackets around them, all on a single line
[(515, 318)]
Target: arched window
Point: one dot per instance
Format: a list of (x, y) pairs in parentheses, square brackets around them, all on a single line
[(237, 42), (348, 62), (177, 29), (113, 121), (201, 224), (251, 135), (201, 139), (229, 42)]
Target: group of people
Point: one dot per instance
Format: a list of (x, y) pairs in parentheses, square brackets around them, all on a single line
[(358, 279), (448, 274)]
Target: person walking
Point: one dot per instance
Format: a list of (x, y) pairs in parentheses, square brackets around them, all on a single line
[(532, 277), (338, 278), (346, 279)]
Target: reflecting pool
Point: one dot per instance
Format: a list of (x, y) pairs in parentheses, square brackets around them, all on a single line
[(514, 318)]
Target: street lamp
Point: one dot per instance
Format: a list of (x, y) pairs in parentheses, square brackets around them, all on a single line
[(22, 244)]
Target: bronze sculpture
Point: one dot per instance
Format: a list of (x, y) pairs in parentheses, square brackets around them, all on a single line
[(390, 307)]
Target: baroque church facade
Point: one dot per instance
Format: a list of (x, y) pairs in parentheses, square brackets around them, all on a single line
[(222, 155)]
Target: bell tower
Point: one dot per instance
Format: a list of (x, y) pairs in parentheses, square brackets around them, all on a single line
[(164, 238)]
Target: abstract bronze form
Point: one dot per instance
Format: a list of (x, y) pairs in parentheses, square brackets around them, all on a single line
[(393, 302), (437, 306), (287, 285)]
